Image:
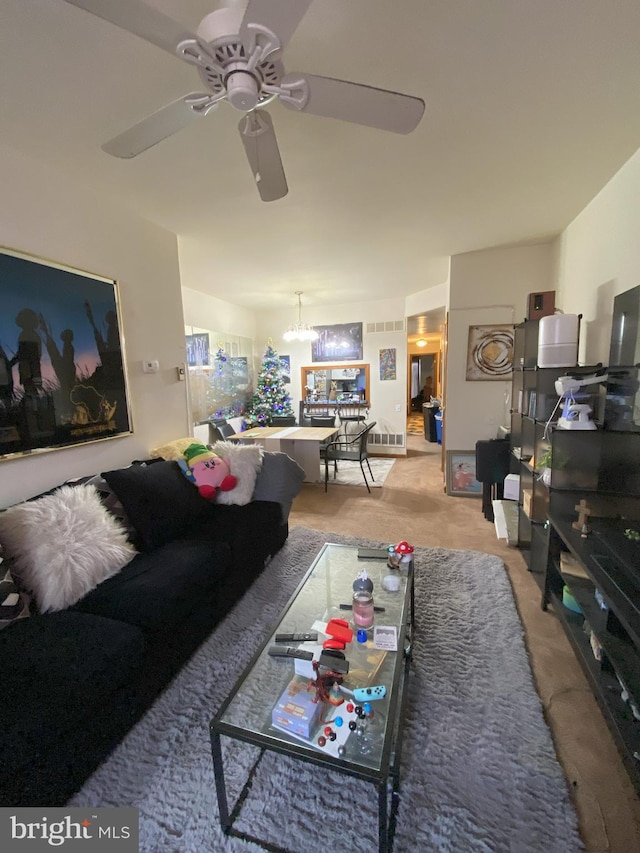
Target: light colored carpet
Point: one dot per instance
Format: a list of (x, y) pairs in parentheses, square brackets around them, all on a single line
[(479, 772), (350, 474)]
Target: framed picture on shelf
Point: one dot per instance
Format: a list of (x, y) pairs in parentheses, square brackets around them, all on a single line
[(461, 474), (62, 365)]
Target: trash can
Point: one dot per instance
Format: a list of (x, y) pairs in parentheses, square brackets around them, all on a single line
[(429, 411), (438, 419)]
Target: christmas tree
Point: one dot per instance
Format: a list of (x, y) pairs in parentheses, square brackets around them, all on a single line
[(270, 398)]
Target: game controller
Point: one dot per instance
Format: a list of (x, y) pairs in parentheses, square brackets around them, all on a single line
[(368, 694), (333, 644)]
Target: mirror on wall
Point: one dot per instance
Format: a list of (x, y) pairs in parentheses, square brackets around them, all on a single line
[(335, 383), (220, 373)]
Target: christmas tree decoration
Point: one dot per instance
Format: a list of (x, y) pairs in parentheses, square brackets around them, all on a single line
[(270, 398)]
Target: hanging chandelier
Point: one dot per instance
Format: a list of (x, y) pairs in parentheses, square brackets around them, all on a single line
[(300, 331)]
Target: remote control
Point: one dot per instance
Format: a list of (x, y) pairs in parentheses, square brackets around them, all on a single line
[(329, 660), (368, 694), (300, 654), (311, 637)]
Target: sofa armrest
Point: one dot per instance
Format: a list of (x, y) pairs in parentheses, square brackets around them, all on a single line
[(279, 479)]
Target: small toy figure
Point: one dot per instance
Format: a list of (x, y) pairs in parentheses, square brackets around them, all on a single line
[(399, 555), (363, 582), (208, 471)]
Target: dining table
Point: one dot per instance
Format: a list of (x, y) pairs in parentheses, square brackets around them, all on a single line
[(300, 443)]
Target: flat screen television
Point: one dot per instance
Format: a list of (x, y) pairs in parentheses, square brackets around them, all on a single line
[(622, 408)]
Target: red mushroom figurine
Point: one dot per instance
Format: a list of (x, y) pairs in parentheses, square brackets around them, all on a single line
[(405, 550)]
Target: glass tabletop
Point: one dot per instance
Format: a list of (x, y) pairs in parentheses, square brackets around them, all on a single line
[(275, 692)]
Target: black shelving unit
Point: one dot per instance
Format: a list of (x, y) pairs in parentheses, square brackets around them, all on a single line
[(534, 403), (601, 468)]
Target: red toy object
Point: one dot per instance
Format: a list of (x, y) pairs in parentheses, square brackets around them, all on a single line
[(339, 629), (333, 644), (399, 554), (404, 549)]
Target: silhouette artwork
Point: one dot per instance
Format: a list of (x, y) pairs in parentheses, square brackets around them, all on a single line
[(62, 379), (29, 352), (64, 368)]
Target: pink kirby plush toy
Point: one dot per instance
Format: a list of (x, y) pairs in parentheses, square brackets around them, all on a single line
[(209, 472)]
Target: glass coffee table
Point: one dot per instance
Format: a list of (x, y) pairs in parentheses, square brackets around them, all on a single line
[(272, 704)]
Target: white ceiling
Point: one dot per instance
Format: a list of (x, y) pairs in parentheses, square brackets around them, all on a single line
[(532, 105)]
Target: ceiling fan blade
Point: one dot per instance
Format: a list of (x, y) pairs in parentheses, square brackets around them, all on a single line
[(159, 125), (136, 17), (280, 16), (352, 102), (261, 147)]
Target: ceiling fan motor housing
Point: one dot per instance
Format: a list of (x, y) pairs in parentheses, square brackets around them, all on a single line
[(243, 90), (220, 30), (219, 24)]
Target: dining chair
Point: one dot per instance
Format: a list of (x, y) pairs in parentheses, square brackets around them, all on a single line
[(322, 420), (284, 420), (219, 430), (351, 413), (346, 449)]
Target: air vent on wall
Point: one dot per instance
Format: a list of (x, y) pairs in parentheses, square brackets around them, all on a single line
[(386, 326), (389, 439)]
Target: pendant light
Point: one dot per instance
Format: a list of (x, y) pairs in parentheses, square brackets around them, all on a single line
[(300, 331)]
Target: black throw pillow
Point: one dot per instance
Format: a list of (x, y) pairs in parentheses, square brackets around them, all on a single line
[(160, 502)]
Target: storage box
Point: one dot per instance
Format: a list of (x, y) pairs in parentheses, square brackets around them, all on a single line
[(295, 711), (511, 487)]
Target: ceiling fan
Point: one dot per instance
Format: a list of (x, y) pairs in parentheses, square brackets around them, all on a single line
[(237, 50)]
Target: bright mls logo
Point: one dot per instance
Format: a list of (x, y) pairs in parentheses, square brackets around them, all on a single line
[(83, 830)]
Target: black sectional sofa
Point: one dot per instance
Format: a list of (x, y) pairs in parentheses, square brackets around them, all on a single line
[(75, 680)]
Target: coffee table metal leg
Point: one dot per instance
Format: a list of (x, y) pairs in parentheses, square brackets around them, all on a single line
[(221, 791), (383, 825)]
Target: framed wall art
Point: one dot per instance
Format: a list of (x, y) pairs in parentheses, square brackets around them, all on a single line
[(342, 342), (62, 374), (387, 364), (461, 474), (490, 353), (197, 349)]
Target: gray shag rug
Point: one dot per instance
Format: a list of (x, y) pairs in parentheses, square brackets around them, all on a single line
[(479, 771)]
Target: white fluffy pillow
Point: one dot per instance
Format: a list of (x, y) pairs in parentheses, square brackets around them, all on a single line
[(63, 545), (244, 461)]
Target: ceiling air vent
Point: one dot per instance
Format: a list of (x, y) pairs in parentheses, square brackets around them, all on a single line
[(386, 326)]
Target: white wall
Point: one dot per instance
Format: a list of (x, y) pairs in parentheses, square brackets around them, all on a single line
[(598, 256), (209, 312), (388, 405), (42, 214), (486, 288), (428, 300)]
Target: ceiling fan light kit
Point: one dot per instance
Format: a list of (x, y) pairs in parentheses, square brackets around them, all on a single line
[(237, 50), (300, 331)]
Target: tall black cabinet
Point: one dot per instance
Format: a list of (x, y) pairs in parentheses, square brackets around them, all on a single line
[(592, 571), (534, 408), (586, 562)]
